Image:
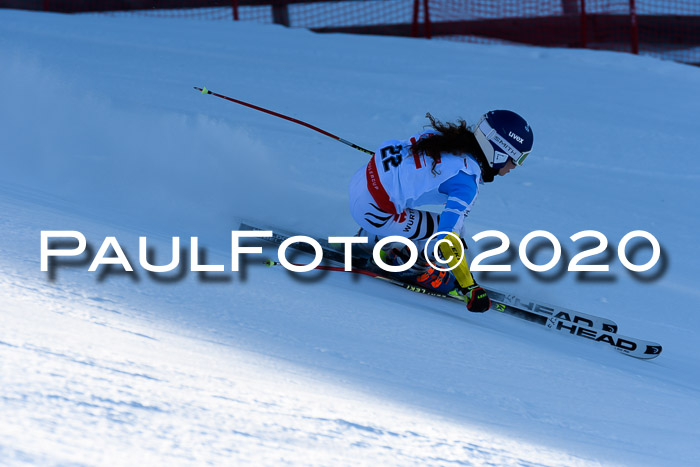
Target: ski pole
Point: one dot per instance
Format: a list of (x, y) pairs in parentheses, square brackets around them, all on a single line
[(404, 285), (307, 125), (271, 263)]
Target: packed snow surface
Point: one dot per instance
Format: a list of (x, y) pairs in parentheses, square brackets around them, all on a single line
[(103, 133)]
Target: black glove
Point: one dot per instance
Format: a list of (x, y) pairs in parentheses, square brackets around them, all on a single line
[(476, 299)]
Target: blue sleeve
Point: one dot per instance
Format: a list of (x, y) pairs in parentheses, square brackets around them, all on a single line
[(461, 191)]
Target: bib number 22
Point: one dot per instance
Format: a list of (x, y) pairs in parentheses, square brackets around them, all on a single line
[(391, 156)]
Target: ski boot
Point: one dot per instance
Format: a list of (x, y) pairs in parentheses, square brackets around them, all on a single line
[(421, 273)]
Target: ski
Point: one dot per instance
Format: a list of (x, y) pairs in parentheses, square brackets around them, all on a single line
[(553, 318), (631, 346), (514, 304), (552, 311)]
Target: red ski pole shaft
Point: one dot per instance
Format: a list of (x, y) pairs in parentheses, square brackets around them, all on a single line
[(405, 285), (276, 114)]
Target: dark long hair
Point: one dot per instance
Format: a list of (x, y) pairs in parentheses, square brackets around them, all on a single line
[(453, 138)]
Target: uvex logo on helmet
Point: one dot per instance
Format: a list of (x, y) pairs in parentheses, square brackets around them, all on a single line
[(515, 137)]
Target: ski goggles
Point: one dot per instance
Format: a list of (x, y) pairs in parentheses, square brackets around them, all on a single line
[(496, 149)]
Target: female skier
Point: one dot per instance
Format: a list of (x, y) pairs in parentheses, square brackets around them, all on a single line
[(443, 165)]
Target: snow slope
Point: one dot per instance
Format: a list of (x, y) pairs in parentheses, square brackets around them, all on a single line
[(102, 133)]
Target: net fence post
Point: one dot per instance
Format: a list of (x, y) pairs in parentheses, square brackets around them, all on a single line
[(414, 25), (280, 12), (634, 28), (584, 42), (427, 19), (234, 9)]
